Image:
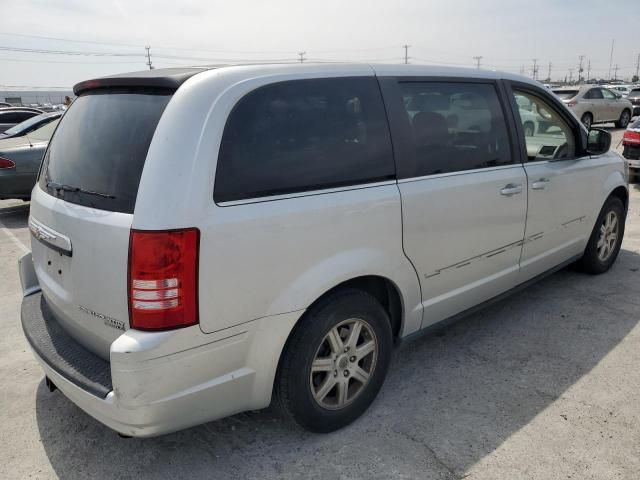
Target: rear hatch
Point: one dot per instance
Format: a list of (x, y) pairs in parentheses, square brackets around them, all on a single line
[(82, 209)]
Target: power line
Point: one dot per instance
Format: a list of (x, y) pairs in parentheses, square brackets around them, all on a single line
[(25, 60), (68, 52)]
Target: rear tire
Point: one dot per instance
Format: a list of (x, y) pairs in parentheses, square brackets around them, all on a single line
[(606, 238), (335, 361), (529, 129), (625, 117), (587, 120)]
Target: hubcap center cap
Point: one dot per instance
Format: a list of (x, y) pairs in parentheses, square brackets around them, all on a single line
[(343, 362)]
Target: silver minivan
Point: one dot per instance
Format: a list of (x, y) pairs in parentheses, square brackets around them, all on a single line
[(207, 240)]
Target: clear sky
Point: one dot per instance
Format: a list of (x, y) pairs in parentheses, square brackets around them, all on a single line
[(508, 34)]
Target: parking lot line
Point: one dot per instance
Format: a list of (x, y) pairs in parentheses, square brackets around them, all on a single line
[(13, 238)]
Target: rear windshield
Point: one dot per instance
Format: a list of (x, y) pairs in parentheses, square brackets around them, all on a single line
[(31, 124), (634, 93), (565, 94), (97, 154)]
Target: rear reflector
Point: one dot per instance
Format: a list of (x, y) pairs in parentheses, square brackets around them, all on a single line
[(631, 138), (6, 163), (163, 279)]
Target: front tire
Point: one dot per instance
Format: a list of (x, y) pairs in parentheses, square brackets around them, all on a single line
[(606, 238), (335, 361)]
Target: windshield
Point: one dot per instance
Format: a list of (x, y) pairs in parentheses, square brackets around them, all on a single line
[(28, 125), (44, 133), (101, 145), (565, 94), (634, 93)]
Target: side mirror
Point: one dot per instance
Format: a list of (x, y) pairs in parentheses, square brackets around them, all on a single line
[(598, 141)]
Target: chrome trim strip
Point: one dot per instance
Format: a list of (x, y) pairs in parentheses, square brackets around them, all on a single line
[(49, 237), (461, 172), (308, 193)]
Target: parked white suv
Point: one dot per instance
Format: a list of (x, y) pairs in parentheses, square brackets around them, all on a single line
[(205, 238)]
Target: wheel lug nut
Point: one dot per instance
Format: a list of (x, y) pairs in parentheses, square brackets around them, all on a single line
[(346, 349), (352, 359), (335, 373), (346, 373)]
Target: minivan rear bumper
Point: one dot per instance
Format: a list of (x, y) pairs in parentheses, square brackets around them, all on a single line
[(159, 382)]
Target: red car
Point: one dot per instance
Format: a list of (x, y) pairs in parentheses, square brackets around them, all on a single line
[(631, 143)]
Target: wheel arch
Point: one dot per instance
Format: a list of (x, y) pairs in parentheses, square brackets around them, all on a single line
[(622, 193)]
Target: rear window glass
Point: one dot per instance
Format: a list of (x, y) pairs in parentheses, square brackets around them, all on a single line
[(565, 94), (304, 135), (30, 124), (634, 93), (99, 148), (455, 126)]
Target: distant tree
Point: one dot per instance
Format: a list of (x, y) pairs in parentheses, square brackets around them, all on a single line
[(635, 79)]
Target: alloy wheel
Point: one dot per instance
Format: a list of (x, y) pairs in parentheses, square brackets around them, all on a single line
[(343, 364), (609, 232)]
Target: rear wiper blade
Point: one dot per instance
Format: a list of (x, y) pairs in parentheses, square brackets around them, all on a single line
[(70, 188)]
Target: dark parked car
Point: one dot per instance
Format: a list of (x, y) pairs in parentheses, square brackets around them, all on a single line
[(634, 98), (10, 117), (28, 126), (20, 159)]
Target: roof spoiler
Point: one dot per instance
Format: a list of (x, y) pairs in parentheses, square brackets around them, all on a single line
[(167, 78)]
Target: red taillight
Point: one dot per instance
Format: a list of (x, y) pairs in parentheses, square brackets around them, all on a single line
[(163, 278), (6, 163), (631, 138)]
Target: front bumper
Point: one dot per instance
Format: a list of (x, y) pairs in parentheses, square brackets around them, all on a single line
[(159, 382)]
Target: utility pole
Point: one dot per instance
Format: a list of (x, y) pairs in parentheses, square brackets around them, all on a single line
[(638, 66), (549, 73), (611, 57), (615, 71), (571, 75), (149, 64), (406, 53), (477, 59), (580, 68), (534, 70), (301, 55), (589, 70)]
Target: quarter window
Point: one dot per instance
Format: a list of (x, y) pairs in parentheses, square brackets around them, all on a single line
[(304, 135), (608, 94), (547, 135), (455, 127), (593, 94)]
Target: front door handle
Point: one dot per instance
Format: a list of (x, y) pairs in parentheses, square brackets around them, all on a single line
[(511, 189), (540, 184)]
